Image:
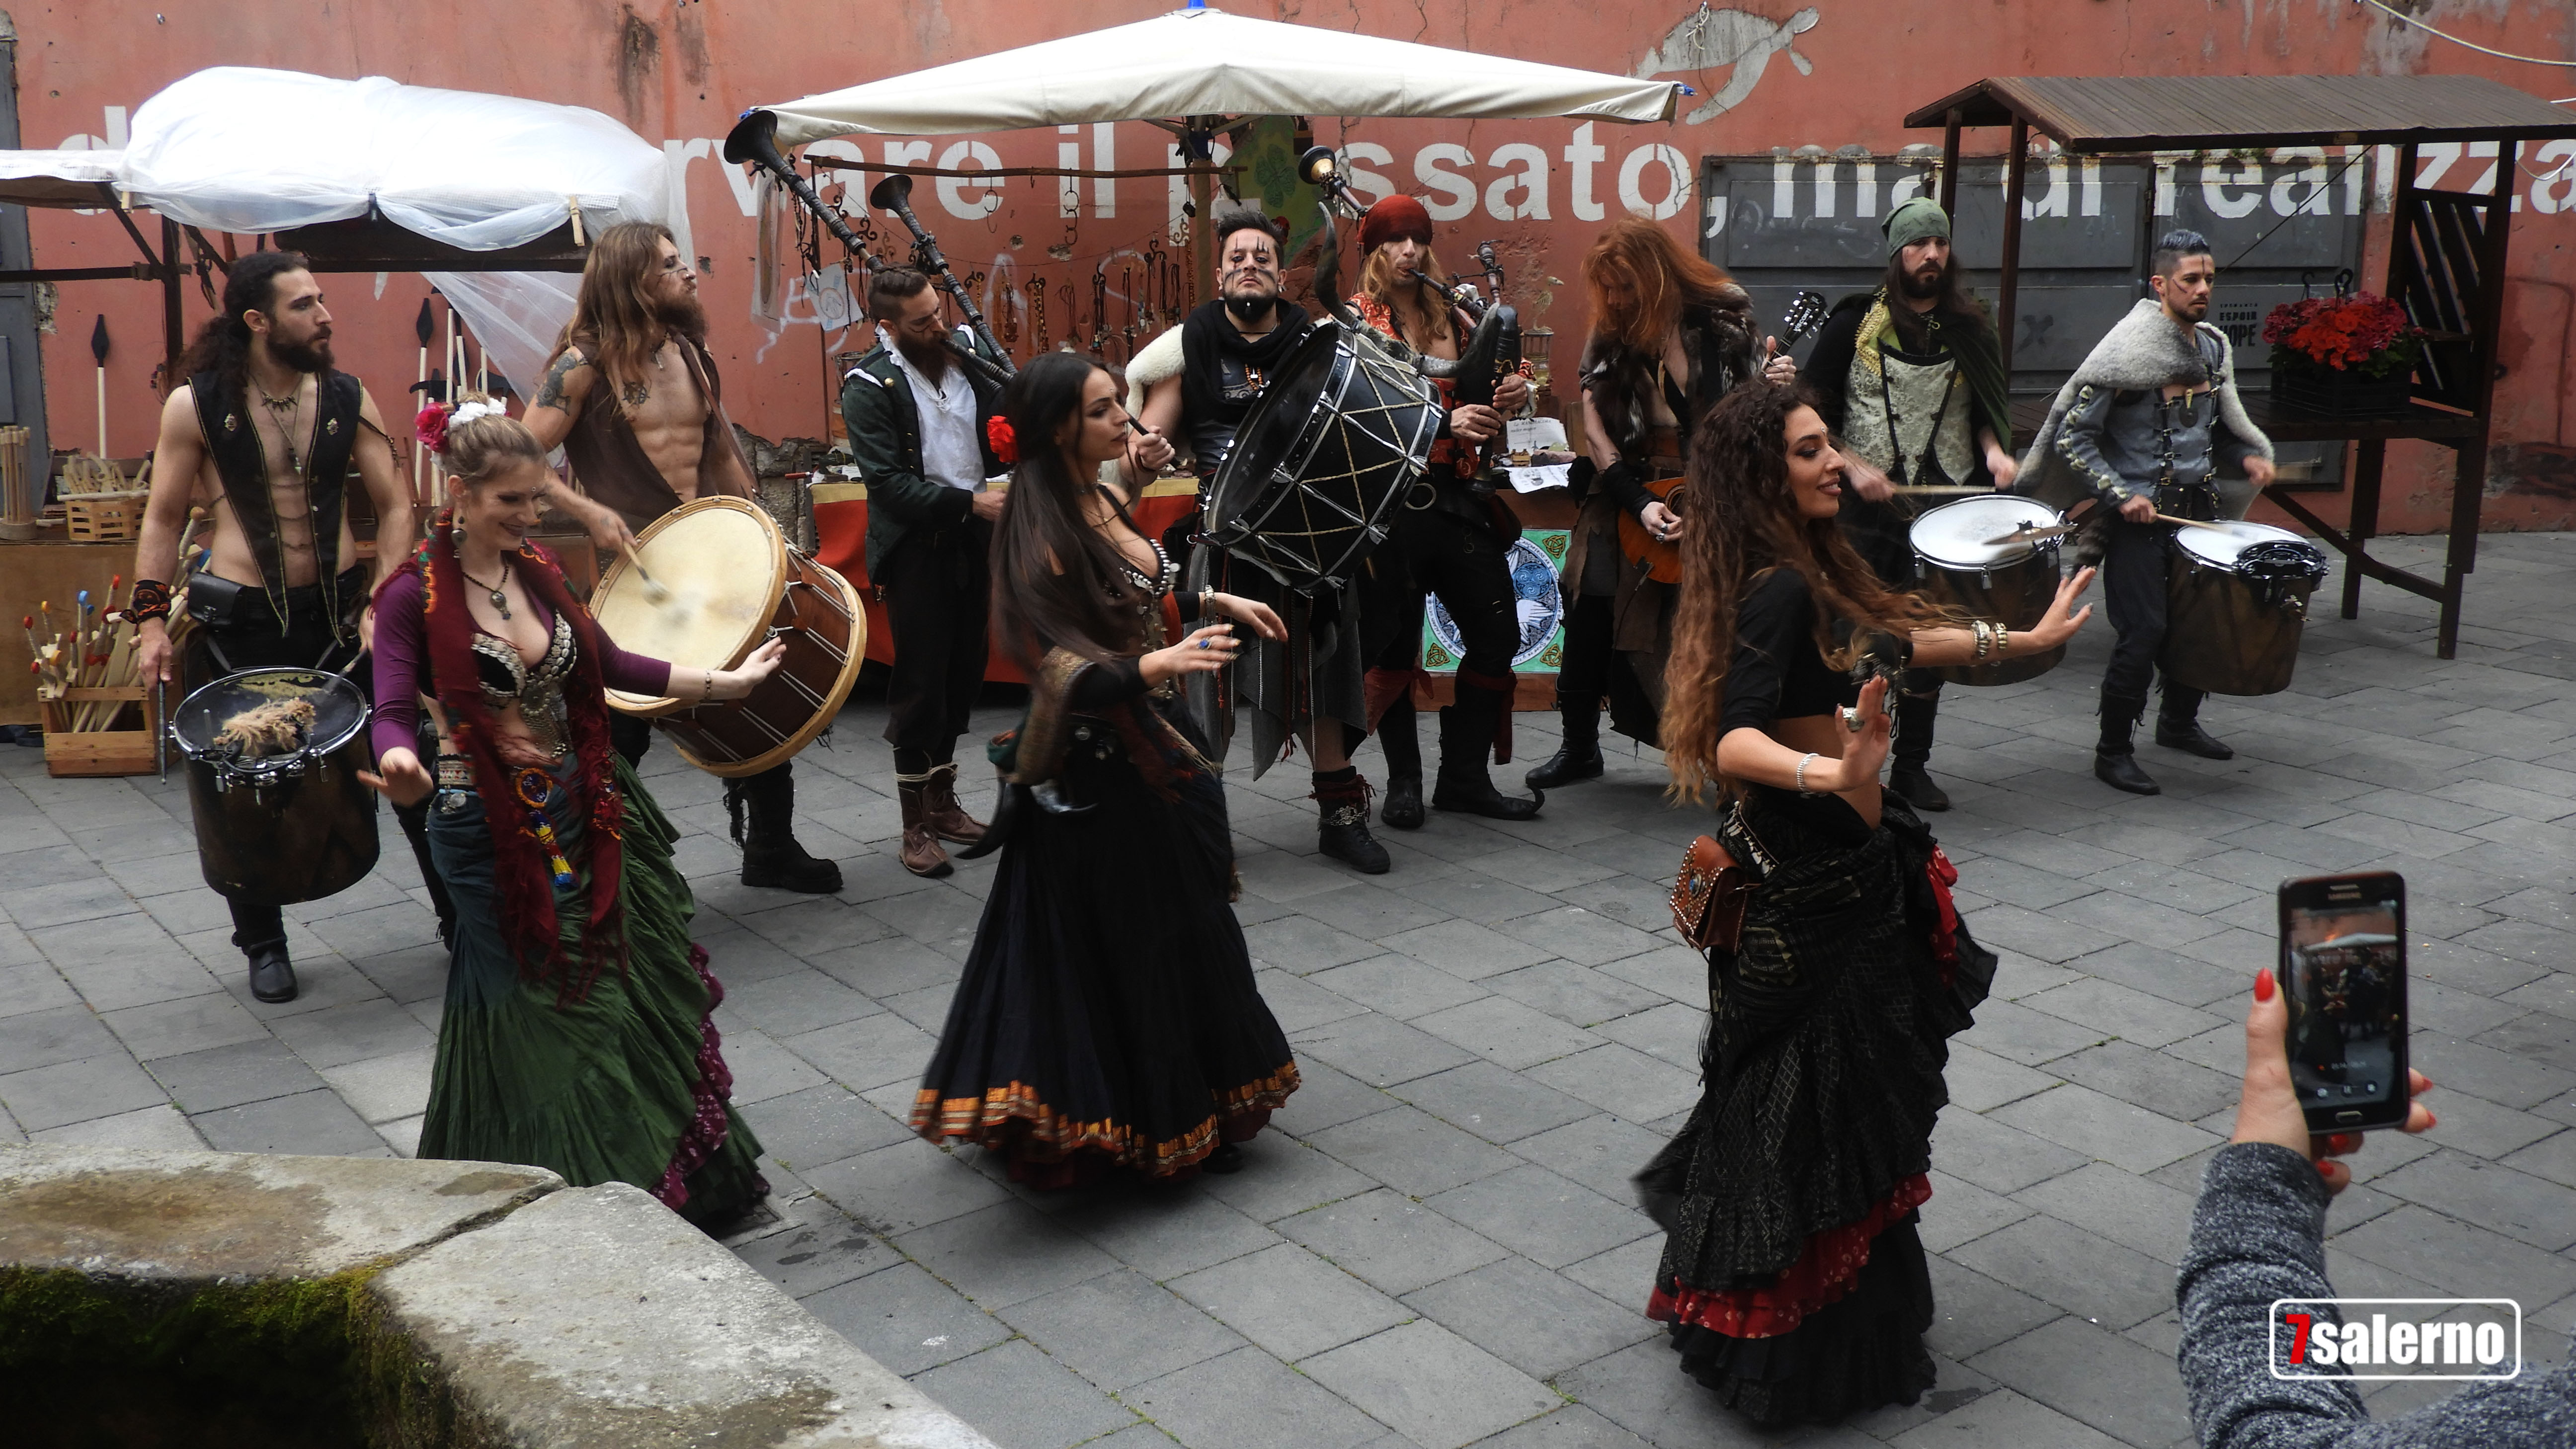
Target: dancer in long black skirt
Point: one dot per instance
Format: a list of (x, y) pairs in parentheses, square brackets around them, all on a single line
[(1107, 1016), (1792, 1276)]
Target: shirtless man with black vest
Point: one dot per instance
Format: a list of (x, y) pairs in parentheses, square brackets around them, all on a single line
[(262, 434), (632, 397)]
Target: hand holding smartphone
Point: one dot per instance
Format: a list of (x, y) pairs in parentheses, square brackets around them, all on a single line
[(2343, 969)]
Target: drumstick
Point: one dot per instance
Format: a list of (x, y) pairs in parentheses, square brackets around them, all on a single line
[(1926, 489), (654, 593), (2192, 523), (2027, 534)]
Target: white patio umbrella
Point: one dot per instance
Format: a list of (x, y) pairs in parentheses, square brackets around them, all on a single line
[(1201, 62)]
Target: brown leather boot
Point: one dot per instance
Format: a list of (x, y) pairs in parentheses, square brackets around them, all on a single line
[(948, 820), (921, 853)]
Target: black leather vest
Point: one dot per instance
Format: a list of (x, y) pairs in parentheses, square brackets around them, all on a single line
[(241, 463)]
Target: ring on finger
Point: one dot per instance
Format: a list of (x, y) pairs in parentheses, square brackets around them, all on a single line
[(1850, 718)]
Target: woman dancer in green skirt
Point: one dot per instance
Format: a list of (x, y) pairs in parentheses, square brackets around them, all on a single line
[(578, 1032)]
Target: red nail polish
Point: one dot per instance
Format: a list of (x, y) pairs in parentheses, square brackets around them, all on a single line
[(2263, 984)]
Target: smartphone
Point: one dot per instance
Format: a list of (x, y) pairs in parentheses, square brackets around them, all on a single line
[(2343, 969)]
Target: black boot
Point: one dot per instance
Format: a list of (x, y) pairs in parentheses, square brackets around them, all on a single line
[(1467, 730), (1402, 807), (1343, 832), (272, 976), (1579, 758), (2178, 724), (2115, 759), (770, 855), (1913, 746)]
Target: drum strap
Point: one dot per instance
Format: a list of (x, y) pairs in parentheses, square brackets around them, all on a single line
[(1904, 475)]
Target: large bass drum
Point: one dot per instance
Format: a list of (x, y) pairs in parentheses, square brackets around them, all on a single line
[(293, 824), (1973, 559), (727, 581), (1334, 439), (2236, 602)]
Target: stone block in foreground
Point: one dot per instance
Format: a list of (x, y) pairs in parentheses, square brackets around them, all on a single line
[(437, 1303)]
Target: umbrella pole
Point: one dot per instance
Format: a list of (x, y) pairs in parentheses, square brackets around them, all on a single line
[(1202, 228)]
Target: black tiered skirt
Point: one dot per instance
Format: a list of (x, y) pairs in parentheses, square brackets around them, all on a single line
[(1107, 1016), (1792, 1277)]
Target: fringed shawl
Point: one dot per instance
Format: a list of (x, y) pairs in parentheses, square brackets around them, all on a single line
[(520, 868)]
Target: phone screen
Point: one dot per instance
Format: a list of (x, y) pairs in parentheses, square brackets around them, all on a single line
[(2343, 968)]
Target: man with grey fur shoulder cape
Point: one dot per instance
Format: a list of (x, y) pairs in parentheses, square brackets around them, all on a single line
[(2140, 430)]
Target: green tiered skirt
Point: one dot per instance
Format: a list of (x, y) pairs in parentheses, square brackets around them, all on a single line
[(627, 1084)]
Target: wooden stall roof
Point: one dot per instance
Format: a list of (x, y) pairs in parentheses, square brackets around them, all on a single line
[(2210, 113)]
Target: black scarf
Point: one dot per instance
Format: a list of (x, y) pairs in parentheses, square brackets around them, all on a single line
[(1208, 337)]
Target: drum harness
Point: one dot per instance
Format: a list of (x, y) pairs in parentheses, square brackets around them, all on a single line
[(1927, 460)]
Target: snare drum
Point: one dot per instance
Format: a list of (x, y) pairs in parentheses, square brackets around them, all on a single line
[(2235, 605), (279, 829), (731, 581), (1971, 559)]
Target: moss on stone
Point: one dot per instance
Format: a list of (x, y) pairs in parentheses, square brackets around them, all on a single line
[(310, 1353)]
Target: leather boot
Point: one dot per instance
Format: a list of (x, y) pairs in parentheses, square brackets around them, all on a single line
[(920, 853), (2115, 759), (1913, 746), (2178, 724), (1402, 807), (1467, 730), (1343, 832), (947, 819), (770, 855), (1579, 758), (272, 975)]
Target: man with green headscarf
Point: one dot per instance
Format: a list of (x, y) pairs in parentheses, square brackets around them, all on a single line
[(1911, 380)]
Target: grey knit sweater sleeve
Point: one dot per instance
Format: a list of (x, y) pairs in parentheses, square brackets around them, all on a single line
[(2259, 1235)]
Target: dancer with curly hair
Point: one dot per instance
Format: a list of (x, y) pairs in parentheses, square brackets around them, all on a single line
[(1791, 1276)]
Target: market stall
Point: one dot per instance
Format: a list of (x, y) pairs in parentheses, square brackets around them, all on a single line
[(484, 195), (2446, 257)]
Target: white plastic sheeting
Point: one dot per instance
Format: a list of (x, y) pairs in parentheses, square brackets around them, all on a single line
[(1205, 62), (515, 315), (258, 151), (253, 151)]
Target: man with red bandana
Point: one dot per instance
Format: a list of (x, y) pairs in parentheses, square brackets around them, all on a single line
[(1452, 539)]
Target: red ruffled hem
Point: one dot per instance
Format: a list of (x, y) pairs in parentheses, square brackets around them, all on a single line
[(1827, 1268), (1945, 932), (708, 1127)]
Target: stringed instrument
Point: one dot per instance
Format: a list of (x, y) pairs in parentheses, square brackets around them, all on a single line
[(1661, 561)]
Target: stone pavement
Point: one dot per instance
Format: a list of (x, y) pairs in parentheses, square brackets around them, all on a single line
[(1436, 1246)]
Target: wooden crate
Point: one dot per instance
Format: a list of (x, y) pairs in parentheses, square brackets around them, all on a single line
[(71, 752), (104, 517)]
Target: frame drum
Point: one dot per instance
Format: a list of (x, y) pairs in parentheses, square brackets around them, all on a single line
[(733, 582), (2012, 582), (2235, 605)]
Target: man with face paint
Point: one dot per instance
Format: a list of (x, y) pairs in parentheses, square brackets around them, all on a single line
[(263, 432), (1200, 379), (1910, 378), (2142, 428)]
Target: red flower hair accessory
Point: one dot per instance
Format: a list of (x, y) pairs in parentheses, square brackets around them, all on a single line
[(431, 425), (1006, 444)]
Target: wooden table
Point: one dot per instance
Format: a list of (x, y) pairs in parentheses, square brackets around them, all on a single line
[(53, 571)]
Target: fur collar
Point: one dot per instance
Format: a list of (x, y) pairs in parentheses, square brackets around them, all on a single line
[(2143, 351)]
